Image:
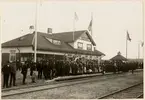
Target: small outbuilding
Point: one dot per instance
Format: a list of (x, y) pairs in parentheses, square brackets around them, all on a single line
[(118, 57)]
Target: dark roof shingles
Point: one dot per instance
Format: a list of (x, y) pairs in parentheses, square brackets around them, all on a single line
[(44, 44), (25, 40), (118, 57)]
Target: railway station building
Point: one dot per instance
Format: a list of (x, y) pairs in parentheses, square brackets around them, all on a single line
[(56, 45)]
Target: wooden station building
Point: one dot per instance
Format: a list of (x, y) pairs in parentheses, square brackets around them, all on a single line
[(50, 45)]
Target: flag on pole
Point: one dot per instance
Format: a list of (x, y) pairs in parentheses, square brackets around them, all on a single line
[(76, 17), (90, 26), (41, 2), (128, 37), (142, 44)]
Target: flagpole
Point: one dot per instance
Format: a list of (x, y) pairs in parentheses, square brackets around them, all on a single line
[(73, 28), (1, 38), (138, 50), (35, 47), (92, 32), (126, 45), (143, 9)]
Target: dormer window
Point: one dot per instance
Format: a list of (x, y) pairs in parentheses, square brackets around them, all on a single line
[(50, 40), (56, 42)]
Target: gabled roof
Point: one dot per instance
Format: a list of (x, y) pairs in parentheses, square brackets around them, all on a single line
[(99, 53), (118, 57), (26, 40), (45, 45), (68, 36)]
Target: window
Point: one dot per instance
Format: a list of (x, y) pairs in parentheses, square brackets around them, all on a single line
[(12, 55), (56, 42), (89, 47), (80, 45)]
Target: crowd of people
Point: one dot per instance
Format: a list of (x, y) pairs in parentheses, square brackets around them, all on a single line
[(46, 69), (51, 68), (9, 70)]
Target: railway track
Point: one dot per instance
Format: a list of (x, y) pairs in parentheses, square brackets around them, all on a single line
[(106, 96), (23, 90)]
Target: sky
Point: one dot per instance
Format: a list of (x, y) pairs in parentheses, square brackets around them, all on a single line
[(111, 20)]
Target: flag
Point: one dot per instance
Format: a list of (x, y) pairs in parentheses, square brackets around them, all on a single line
[(76, 17), (90, 26), (128, 37), (142, 44), (41, 2), (31, 27)]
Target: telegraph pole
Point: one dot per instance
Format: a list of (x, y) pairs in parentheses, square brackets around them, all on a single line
[(0, 38), (138, 50), (35, 47), (143, 9), (126, 46)]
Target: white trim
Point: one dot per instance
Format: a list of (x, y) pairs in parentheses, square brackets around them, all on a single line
[(22, 50), (48, 52), (30, 50)]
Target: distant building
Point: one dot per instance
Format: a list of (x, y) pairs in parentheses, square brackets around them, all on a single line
[(118, 57), (50, 45)]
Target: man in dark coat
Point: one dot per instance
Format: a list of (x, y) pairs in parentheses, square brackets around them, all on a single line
[(6, 72), (39, 69), (44, 65), (103, 68), (24, 71), (57, 68), (50, 68), (54, 69), (32, 68), (13, 73)]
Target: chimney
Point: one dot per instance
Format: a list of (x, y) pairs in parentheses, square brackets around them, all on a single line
[(49, 30)]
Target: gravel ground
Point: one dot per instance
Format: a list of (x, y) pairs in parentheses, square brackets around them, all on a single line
[(19, 78), (90, 90), (129, 93)]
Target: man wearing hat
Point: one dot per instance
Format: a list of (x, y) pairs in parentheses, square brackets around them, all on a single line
[(6, 72)]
